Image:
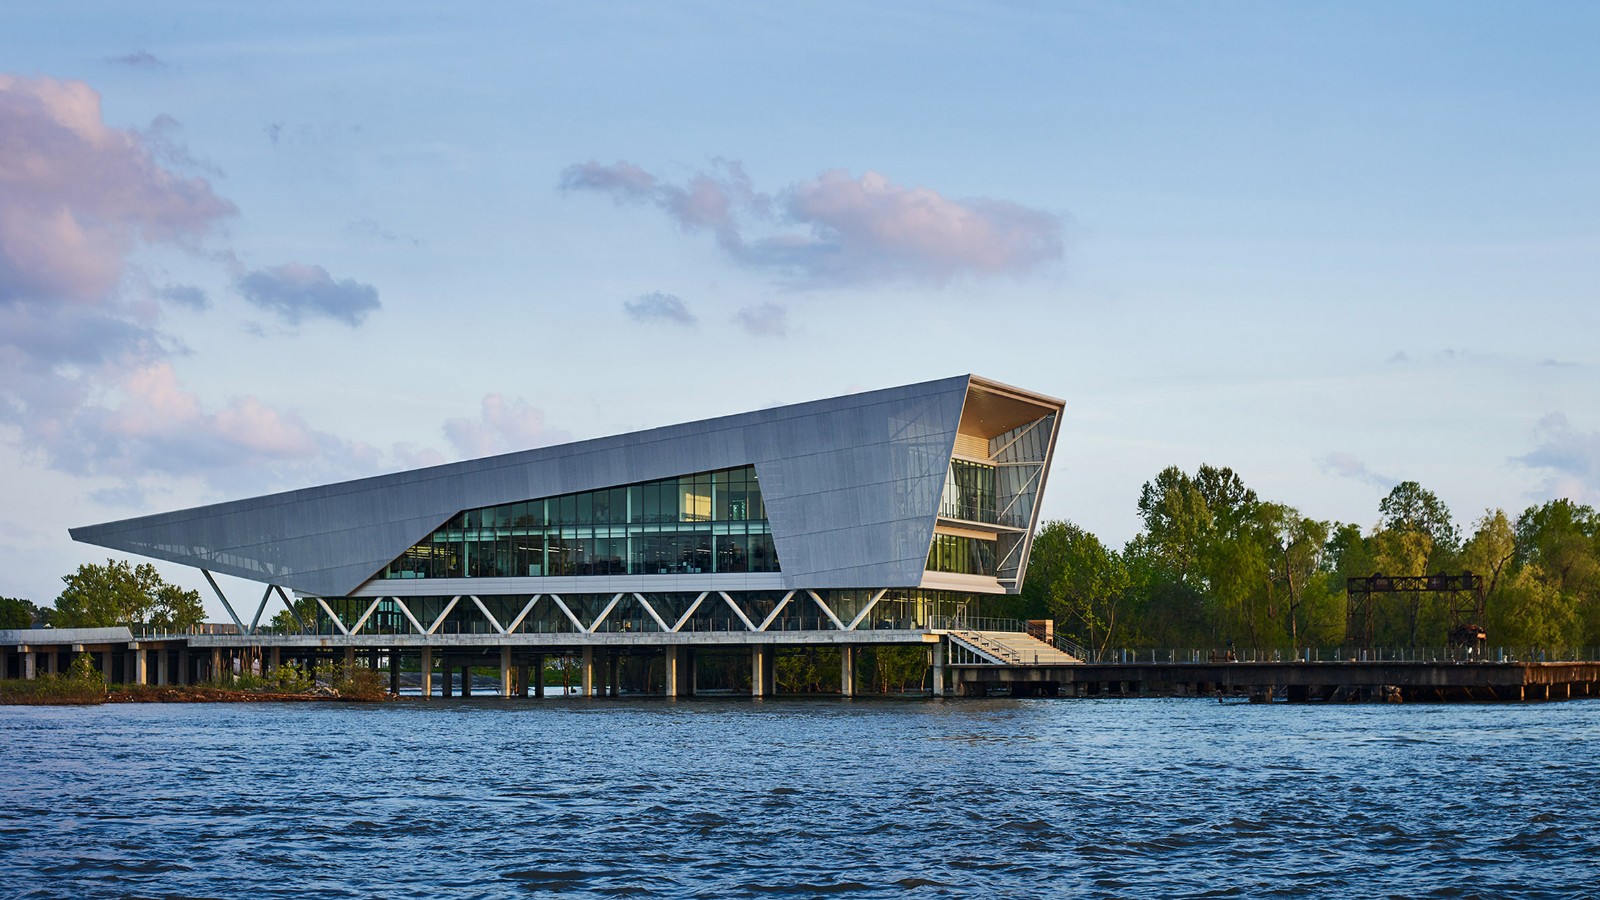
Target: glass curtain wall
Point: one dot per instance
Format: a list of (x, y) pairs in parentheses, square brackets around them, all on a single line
[(969, 492), (706, 522), (961, 555)]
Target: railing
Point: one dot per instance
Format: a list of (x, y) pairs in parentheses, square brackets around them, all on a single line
[(1148, 656), (969, 623)]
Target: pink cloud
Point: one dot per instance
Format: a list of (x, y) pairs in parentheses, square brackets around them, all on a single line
[(503, 425), (76, 195), (851, 230)]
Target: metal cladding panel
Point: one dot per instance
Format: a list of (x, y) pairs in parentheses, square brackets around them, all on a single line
[(851, 485)]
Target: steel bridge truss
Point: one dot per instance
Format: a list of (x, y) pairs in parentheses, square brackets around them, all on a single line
[(1463, 592)]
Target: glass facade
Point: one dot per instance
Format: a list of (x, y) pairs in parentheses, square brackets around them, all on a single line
[(969, 492), (961, 555), (703, 523)]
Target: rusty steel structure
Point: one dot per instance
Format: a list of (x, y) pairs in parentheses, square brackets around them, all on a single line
[(1463, 592)]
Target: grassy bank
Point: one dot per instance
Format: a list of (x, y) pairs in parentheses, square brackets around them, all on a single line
[(51, 690)]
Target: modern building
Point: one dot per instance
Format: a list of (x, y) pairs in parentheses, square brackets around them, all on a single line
[(876, 518)]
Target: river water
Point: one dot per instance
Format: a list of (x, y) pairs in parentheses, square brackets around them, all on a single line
[(729, 798)]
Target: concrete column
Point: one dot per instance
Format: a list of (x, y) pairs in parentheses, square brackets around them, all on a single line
[(50, 661), (427, 671), (522, 680), (586, 669), (161, 666), (275, 660), (847, 671), (760, 671), (141, 666), (449, 673), (216, 664), (30, 665), (183, 663), (691, 672), (613, 674), (670, 672), (938, 668), (466, 681), (538, 675), (505, 673), (349, 660), (394, 672)]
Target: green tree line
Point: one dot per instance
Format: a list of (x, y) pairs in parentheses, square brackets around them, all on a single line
[(102, 596), (1215, 563)]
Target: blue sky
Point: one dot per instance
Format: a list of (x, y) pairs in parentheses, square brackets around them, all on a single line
[(253, 248)]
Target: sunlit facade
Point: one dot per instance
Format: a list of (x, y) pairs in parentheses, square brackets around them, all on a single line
[(890, 510)]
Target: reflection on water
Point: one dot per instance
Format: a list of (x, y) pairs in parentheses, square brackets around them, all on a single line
[(716, 798)]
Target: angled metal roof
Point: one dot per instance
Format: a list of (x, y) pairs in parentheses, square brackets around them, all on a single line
[(851, 484)]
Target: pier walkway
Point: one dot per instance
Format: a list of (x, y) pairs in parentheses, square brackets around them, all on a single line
[(967, 662)]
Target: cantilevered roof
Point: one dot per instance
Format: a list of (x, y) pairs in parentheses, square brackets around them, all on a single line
[(851, 486)]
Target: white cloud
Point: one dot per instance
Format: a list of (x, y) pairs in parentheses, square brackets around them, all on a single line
[(764, 319), (1348, 465), (503, 425), (1569, 458), (659, 307)]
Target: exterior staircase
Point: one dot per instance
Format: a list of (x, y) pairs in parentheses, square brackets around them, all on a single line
[(1012, 648)]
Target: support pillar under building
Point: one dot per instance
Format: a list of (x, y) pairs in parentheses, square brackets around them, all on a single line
[(141, 666), (670, 671), (538, 676), (847, 671), (762, 670), (30, 665), (938, 668), (466, 681), (394, 672), (105, 666), (505, 673), (613, 674), (586, 670), (449, 673), (427, 671)]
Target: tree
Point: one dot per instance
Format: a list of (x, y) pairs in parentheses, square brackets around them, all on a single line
[(1299, 558), (304, 615), (1085, 584), (1176, 521), (1492, 547), (116, 593), (17, 613), (1412, 508)]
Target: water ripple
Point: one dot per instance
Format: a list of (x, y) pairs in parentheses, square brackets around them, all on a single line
[(484, 798)]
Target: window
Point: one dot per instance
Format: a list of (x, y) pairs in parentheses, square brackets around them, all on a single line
[(708, 522), (961, 555)]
